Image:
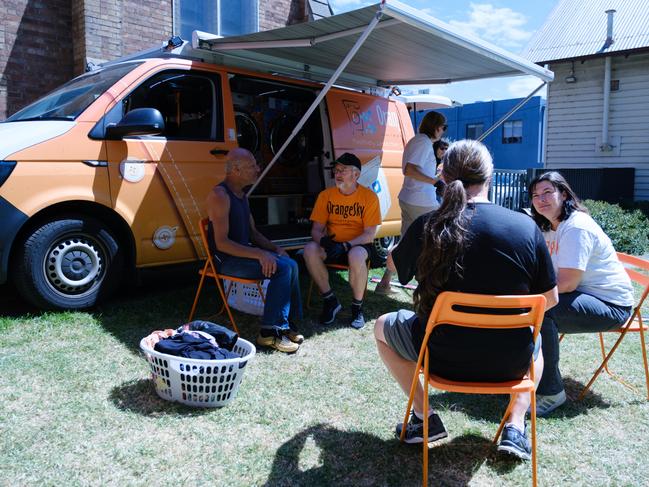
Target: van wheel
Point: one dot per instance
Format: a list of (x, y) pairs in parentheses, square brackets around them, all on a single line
[(380, 247), (68, 264)]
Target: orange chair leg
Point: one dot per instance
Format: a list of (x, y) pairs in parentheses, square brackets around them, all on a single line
[(424, 408), (198, 293), (533, 433), (308, 298), (512, 398), (644, 358), (224, 297)]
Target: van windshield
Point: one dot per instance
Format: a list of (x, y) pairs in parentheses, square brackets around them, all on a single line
[(71, 99)]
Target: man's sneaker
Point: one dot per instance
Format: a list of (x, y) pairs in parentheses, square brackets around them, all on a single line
[(330, 309), (281, 343), (415, 429), (546, 404), (513, 442), (358, 320), (293, 335)]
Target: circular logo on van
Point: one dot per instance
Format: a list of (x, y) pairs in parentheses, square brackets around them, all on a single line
[(132, 170), (164, 237)]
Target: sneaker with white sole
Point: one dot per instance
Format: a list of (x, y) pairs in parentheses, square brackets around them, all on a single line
[(330, 308), (515, 443), (546, 404), (415, 429), (281, 343)]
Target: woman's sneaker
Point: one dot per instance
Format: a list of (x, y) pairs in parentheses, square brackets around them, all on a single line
[(415, 429), (513, 442), (546, 404)]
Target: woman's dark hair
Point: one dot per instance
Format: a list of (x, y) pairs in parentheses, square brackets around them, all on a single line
[(439, 144), (466, 163), (570, 205), (431, 122)]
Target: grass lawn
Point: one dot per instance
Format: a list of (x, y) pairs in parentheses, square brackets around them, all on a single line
[(77, 408)]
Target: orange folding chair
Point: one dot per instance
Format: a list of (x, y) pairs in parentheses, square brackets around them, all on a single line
[(209, 270), (634, 266), (529, 311)]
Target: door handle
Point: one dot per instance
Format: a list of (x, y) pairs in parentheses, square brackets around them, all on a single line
[(219, 152)]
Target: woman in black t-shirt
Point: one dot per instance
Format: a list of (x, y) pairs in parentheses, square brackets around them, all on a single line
[(467, 245)]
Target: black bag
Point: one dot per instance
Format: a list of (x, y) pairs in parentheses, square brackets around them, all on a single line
[(225, 337)]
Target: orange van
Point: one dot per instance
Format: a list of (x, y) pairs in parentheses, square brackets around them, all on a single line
[(109, 173)]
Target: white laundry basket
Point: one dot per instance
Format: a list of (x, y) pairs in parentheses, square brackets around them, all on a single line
[(202, 383), (246, 297)]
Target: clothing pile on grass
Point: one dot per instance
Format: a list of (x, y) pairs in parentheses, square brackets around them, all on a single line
[(201, 340)]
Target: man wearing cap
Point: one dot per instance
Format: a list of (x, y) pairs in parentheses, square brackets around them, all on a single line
[(345, 219)]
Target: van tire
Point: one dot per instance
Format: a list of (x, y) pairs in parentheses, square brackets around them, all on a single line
[(380, 248), (71, 263)]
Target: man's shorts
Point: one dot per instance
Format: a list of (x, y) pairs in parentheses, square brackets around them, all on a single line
[(398, 332), (342, 260)]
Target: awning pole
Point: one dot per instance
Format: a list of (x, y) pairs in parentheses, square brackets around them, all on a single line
[(322, 94), (510, 113)]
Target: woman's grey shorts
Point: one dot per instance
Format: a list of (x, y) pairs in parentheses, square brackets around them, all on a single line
[(398, 335)]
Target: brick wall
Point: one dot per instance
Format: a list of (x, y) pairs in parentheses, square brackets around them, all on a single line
[(36, 53), (46, 43), (117, 28), (280, 13)]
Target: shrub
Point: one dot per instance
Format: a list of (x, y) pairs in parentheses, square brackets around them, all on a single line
[(628, 230)]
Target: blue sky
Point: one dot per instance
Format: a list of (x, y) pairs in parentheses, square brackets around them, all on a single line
[(507, 23)]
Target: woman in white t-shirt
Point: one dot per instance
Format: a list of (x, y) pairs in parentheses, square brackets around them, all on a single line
[(418, 194), (595, 293)]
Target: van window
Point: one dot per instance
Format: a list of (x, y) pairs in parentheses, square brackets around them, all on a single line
[(71, 99), (188, 101)]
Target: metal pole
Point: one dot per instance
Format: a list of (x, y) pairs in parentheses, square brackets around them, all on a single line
[(322, 93), (510, 112)]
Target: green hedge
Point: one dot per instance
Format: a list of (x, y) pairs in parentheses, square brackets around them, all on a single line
[(628, 230)]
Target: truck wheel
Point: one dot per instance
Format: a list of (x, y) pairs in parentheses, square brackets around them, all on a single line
[(380, 247), (68, 264)]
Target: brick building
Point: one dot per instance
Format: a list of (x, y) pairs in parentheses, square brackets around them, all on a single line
[(47, 42)]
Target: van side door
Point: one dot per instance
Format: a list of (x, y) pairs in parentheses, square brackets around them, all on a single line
[(159, 182)]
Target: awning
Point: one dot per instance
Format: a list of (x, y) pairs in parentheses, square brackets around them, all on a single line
[(406, 47)]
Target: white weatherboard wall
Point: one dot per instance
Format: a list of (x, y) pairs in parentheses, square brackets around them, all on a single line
[(574, 112)]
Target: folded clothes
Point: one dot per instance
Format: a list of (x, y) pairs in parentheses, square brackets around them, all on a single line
[(158, 335), (225, 337), (189, 346)]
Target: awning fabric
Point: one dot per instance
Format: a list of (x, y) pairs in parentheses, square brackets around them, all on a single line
[(406, 47)]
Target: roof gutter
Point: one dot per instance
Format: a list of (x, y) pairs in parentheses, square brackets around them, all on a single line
[(359, 42)]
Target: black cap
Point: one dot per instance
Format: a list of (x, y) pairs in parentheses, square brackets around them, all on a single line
[(348, 159)]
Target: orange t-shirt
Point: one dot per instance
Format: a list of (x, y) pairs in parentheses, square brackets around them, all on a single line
[(346, 216)]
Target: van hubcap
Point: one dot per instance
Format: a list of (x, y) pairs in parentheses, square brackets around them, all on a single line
[(74, 264)]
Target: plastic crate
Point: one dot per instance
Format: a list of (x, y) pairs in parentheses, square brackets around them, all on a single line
[(202, 383), (245, 297)]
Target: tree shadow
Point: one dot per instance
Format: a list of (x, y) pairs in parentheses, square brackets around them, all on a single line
[(139, 396), (323, 455)]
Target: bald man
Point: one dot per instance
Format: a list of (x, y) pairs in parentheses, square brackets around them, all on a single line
[(240, 250)]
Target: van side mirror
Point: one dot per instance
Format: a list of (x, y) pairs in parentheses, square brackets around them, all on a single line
[(141, 121)]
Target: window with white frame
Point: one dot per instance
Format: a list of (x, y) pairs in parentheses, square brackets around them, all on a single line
[(474, 130), (513, 132), (221, 17)]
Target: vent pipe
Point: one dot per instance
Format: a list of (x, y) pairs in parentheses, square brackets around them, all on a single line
[(606, 145)]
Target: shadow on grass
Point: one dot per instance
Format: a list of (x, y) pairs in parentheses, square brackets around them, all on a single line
[(322, 455), (139, 396), (491, 407)]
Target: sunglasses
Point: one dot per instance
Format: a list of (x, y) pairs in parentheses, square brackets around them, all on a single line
[(445, 127)]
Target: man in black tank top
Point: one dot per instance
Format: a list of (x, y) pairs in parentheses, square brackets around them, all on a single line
[(240, 250)]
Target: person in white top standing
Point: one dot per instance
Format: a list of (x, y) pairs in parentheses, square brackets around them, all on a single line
[(595, 292), (418, 193)]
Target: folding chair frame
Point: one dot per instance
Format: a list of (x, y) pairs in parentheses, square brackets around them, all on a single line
[(209, 270), (634, 324), (443, 312), (337, 267)]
